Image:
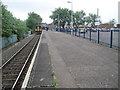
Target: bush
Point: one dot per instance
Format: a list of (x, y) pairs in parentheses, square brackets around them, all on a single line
[(6, 33)]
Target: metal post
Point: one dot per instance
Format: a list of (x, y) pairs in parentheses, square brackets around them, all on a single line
[(79, 32), (84, 34), (98, 36), (75, 31), (58, 23), (90, 34), (111, 38), (71, 15)]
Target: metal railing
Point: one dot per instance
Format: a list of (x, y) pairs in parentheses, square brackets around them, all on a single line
[(108, 37)]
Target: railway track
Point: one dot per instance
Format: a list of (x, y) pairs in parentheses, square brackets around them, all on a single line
[(14, 69)]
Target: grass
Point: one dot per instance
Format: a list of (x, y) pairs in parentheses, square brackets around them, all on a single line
[(54, 84)]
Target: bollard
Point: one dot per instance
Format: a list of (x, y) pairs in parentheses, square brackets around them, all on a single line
[(111, 38)]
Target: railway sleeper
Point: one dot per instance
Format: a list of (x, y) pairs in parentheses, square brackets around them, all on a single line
[(17, 62), (10, 72), (13, 68), (8, 81), (14, 65), (7, 86), (10, 76)]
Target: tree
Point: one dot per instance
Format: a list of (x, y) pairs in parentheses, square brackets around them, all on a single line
[(0, 19), (112, 22), (61, 16), (91, 19), (20, 29), (6, 22), (33, 19), (79, 18), (12, 25), (87, 20)]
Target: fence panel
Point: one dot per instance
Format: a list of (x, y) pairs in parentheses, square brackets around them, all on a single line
[(115, 39), (5, 41), (107, 37)]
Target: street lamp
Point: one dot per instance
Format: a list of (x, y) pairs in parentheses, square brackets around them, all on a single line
[(58, 22), (71, 13)]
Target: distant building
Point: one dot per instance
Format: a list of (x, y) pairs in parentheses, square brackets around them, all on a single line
[(44, 24), (107, 26), (51, 26), (119, 12)]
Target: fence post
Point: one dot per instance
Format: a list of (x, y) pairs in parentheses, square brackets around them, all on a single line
[(90, 34), (84, 33), (79, 32), (75, 32), (98, 36), (111, 38)]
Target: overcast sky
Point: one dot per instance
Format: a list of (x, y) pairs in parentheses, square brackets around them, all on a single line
[(108, 9)]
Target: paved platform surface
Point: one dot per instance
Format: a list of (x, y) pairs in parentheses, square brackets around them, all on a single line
[(42, 69), (81, 63), (77, 63)]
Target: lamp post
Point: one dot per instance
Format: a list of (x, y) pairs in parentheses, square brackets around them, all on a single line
[(58, 22), (71, 13)]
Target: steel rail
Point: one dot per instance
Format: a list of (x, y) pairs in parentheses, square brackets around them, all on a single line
[(15, 83), (15, 54), (25, 82)]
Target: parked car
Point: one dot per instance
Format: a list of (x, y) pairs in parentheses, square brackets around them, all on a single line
[(82, 31)]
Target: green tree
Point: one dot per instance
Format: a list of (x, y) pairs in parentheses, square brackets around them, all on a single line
[(112, 22), (92, 19), (61, 16), (6, 22), (20, 29), (79, 18), (12, 25), (0, 19), (33, 19)]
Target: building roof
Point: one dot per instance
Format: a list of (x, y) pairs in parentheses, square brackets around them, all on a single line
[(107, 26)]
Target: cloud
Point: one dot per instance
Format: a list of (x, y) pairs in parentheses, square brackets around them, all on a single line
[(108, 9)]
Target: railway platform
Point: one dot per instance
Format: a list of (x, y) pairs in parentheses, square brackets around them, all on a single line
[(76, 63)]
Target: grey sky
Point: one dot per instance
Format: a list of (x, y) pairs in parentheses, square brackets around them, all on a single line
[(108, 9)]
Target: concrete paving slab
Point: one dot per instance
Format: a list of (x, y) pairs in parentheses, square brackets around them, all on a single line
[(41, 72), (81, 63)]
